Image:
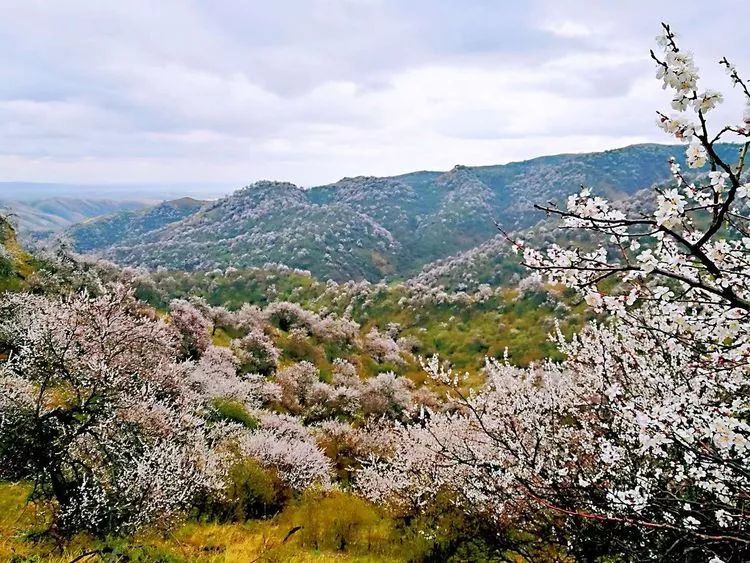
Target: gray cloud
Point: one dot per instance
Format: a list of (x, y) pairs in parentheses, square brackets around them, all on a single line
[(311, 90)]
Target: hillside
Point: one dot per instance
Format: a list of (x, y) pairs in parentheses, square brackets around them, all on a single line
[(57, 213), (15, 262), (128, 225), (374, 228)]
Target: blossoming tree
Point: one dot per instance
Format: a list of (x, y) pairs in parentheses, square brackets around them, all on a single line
[(642, 432), (94, 411)]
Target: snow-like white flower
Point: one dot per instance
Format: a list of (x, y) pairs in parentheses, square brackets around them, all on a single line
[(594, 299), (707, 101), (723, 518), (671, 204), (691, 522), (678, 126), (718, 179), (696, 155)]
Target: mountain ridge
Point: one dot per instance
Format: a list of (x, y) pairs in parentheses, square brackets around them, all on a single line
[(103, 231), (367, 227), (54, 214)]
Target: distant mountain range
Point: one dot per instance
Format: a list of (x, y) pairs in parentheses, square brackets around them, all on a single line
[(54, 214), (101, 233), (153, 193), (366, 227)]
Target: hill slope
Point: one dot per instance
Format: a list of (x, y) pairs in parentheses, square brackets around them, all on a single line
[(371, 228), (119, 228), (57, 213), (15, 262)]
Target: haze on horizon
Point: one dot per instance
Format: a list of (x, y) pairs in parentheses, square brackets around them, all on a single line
[(185, 92)]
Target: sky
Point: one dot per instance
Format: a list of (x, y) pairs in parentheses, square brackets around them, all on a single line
[(230, 92)]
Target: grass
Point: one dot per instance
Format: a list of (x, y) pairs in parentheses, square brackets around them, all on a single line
[(15, 518), (317, 526), (18, 265)]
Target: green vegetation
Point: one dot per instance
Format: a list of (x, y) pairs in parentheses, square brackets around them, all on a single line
[(315, 526), (15, 263), (101, 232), (235, 411), (371, 228), (463, 333)]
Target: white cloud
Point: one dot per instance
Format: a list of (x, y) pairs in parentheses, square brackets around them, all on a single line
[(314, 90), (568, 28)]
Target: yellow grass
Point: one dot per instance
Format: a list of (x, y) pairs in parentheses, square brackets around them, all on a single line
[(327, 527)]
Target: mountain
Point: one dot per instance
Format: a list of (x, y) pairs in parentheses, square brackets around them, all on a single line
[(127, 226), (55, 214), (153, 193), (371, 228)]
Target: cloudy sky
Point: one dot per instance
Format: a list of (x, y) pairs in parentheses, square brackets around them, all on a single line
[(229, 92)]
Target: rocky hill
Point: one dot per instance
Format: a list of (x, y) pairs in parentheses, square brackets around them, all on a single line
[(371, 228)]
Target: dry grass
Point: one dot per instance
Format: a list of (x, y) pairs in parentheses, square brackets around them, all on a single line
[(318, 527)]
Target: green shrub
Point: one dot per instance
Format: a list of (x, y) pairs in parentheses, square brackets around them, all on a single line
[(252, 492), (336, 521), (227, 409), (6, 262)]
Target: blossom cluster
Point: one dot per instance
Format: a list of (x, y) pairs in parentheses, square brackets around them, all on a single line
[(644, 425)]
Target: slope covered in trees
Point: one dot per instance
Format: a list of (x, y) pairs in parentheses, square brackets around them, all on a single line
[(290, 371), (103, 231), (15, 263), (259, 414), (373, 228)]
